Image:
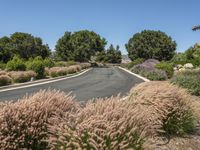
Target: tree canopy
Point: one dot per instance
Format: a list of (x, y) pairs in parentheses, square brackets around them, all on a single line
[(79, 46), (112, 55), (23, 44), (151, 44)]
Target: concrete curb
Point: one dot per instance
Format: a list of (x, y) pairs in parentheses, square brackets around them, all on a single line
[(39, 82), (143, 78)]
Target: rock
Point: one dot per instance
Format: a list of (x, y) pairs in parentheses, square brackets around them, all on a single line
[(188, 66), (179, 66)]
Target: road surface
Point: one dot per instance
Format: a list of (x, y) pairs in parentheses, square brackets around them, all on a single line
[(97, 82)]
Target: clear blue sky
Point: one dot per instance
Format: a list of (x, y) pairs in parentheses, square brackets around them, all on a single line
[(116, 20)]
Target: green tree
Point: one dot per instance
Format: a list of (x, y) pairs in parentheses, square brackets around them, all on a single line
[(5, 49), (26, 46), (79, 46), (113, 55), (64, 48), (151, 44)]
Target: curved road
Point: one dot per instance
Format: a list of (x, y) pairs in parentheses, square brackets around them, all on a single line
[(97, 82)]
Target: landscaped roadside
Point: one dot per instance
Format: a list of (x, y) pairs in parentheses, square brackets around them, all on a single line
[(153, 113), (19, 71)]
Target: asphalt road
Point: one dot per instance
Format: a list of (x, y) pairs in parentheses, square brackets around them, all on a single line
[(98, 82)]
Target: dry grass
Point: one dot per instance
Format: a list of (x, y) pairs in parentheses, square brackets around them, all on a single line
[(53, 120), (85, 65), (100, 125), (23, 125), (3, 72), (166, 108), (5, 80), (21, 76), (61, 71)]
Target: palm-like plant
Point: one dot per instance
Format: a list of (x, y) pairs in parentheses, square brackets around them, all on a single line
[(196, 28)]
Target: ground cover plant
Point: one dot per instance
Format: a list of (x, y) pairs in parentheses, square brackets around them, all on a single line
[(189, 79), (53, 120), (148, 69)]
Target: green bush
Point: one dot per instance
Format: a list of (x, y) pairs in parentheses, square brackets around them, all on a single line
[(135, 62), (70, 63), (16, 64), (5, 80), (179, 123), (155, 75), (2, 66), (48, 62), (37, 65), (189, 80), (167, 67)]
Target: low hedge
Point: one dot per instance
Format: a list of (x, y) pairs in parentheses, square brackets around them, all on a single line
[(5, 80)]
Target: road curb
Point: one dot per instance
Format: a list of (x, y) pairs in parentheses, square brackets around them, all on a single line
[(45, 81), (143, 78)]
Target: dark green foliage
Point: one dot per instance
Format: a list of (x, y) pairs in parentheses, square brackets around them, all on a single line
[(135, 62), (16, 64), (167, 67), (23, 44), (112, 55), (151, 44), (37, 65), (189, 80), (5, 49), (79, 46), (179, 123)]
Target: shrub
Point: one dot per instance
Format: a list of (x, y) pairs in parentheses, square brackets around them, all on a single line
[(73, 69), (103, 124), (135, 62), (85, 65), (3, 73), (21, 76), (24, 123), (16, 64), (2, 66), (148, 70), (189, 80), (58, 71), (5, 80), (164, 107), (37, 65), (48, 62), (61, 64), (167, 67), (70, 63)]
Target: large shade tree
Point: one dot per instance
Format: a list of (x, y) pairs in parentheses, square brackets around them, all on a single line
[(79, 46), (151, 44), (24, 45)]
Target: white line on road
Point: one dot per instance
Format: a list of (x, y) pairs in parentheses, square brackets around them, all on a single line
[(35, 84), (143, 78)]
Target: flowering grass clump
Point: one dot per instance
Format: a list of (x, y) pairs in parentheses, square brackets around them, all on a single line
[(24, 123), (103, 124), (189, 79), (5, 80), (85, 65), (166, 108), (21, 76)]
